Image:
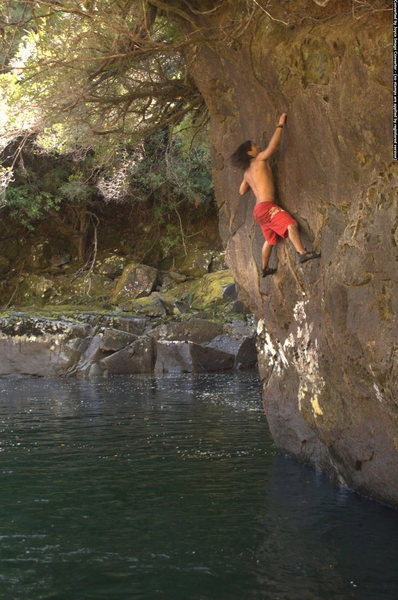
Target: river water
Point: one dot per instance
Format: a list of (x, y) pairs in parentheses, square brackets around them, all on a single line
[(171, 488)]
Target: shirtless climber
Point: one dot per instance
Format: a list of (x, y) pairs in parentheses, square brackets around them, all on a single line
[(273, 220)]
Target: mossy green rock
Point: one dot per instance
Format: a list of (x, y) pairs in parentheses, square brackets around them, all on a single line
[(111, 266), (208, 290), (38, 286), (137, 281), (151, 306), (197, 262)]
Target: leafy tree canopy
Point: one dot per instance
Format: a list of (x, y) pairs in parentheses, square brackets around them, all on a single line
[(78, 70), (92, 79)]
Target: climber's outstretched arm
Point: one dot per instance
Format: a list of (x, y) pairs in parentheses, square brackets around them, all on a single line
[(274, 141)]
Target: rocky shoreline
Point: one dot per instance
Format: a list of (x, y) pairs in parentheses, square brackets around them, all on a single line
[(125, 317), (92, 345)]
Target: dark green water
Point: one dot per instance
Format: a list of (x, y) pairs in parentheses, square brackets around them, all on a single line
[(170, 488)]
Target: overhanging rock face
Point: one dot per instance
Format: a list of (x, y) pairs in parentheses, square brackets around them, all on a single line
[(328, 351)]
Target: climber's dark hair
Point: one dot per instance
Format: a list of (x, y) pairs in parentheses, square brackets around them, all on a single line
[(240, 157)]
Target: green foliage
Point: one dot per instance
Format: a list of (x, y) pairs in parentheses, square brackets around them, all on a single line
[(172, 175), (14, 21), (77, 189), (27, 205), (42, 185), (166, 169), (85, 71)]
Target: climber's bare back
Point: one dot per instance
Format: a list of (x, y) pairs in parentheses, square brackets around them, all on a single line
[(259, 178)]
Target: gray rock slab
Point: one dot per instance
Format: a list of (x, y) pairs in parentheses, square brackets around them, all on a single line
[(135, 325), (246, 357), (187, 357), (230, 292), (39, 346), (92, 355), (39, 357), (138, 357), (114, 340), (209, 359), (243, 349), (194, 330), (226, 343), (173, 357)]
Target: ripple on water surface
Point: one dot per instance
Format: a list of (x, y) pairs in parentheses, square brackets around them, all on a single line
[(143, 487)]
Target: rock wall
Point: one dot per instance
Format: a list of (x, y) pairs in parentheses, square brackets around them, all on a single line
[(328, 331)]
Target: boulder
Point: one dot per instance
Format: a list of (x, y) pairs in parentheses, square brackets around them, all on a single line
[(112, 266), (40, 254), (218, 262), (138, 357), (230, 292), (114, 340), (188, 357), (197, 262), (329, 327), (208, 291), (91, 356), (37, 357), (246, 357), (152, 306), (59, 260), (180, 308), (134, 325), (170, 279), (173, 357), (194, 330), (37, 286), (136, 281), (83, 288), (40, 347), (241, 328), (238, 307), (200, 261), (226, 343), (243, 349)]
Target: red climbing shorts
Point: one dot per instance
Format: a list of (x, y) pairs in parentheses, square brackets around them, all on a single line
[(273, 220)]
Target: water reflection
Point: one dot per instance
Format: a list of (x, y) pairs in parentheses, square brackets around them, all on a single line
[(171, 488)]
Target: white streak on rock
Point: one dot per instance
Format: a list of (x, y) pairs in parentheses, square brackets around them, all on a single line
[(299, 349), (379, 394)]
